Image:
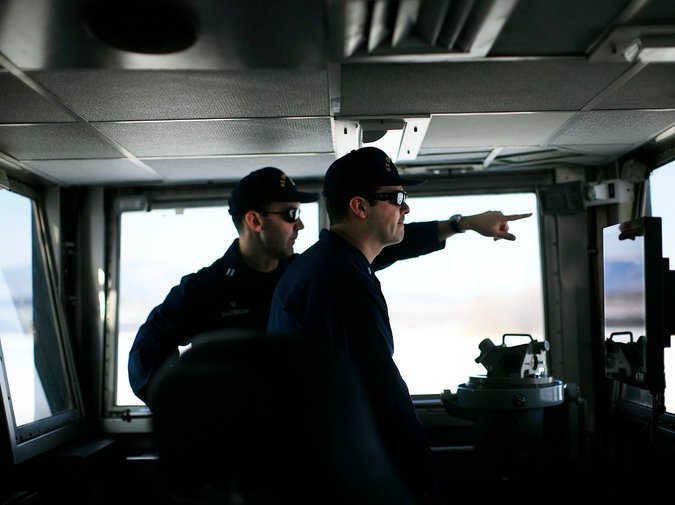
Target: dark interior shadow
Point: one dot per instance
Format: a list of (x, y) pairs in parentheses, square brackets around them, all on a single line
[(251, 419)]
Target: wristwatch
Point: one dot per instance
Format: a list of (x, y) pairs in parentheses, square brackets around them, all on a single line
[(454, 223)]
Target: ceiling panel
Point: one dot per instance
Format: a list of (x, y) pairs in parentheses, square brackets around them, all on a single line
[(472, 130), (613, 127), (205, 138), (110, 171), (651, 88), (54, 141), (113, 95), (501, 86), (21, 104)]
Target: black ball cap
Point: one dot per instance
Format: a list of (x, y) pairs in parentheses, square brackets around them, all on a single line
[(360, 172), (264, 186)]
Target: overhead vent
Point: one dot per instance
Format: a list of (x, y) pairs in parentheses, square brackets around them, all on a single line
[(443, 28)]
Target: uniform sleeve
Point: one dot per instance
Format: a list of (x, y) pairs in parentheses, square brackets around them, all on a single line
[(419, 239), (170, 324)]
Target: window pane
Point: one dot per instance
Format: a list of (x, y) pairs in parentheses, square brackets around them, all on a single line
[(157, 249), (443, 304), (661, 184), (33, 357)]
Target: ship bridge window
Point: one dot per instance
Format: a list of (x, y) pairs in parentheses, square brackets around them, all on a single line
[(661, 182), (36, 375), (443, 304), (452, 299)]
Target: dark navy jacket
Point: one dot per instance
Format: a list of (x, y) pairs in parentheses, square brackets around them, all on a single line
[(226, 294), (331, 292), (229, 294)]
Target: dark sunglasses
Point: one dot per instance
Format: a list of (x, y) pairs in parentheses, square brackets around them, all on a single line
[(395, 197), (290, 215)]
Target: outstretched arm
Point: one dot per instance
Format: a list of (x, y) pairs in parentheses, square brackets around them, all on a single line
[(491, 223), (427, 237)]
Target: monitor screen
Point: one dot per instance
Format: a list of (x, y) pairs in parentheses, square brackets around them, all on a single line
[(635, 328)]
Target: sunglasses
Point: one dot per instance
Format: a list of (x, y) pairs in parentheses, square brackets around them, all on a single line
[(290, 215), (395, 197)]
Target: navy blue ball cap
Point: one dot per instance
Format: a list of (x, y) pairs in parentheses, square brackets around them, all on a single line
[(264, 186), (360, 172)]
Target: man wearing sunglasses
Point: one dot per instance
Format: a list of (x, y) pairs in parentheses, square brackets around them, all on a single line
[(331, 294), (235, 291)]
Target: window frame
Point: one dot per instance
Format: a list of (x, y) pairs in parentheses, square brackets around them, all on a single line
[(34, 438), (126, 199)]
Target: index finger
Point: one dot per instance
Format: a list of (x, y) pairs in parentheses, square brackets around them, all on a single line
[(515, 217)]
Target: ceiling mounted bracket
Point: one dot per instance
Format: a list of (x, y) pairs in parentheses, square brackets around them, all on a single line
[(399, 137)]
